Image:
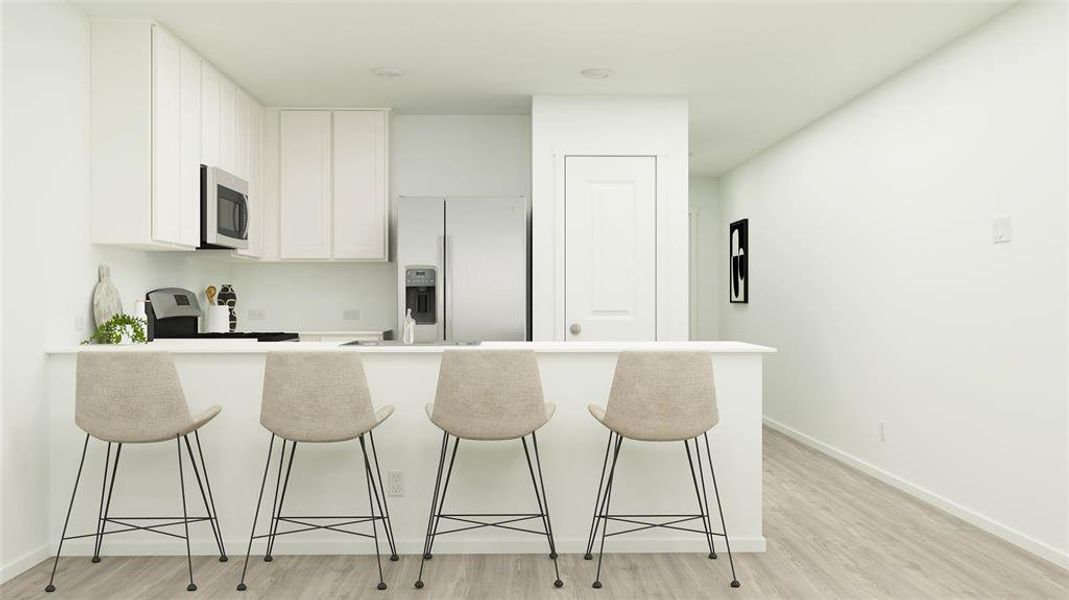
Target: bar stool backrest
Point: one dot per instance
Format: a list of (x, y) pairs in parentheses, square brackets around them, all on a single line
[(316, 396), (489, 394), (662, 396), (130, 397)]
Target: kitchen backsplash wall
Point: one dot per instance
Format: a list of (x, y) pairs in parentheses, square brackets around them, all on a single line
[(315, 297)]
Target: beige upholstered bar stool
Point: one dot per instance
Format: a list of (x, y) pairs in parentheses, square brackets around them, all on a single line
[(320, 397), (660, 397), (135, 397), (488, 395)]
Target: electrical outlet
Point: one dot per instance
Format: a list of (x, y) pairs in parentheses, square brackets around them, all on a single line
[(79, 323), (350, 314), (883, 427), (396, 483), (257, 314)]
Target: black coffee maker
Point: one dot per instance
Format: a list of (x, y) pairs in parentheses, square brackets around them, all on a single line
[(172, 313)]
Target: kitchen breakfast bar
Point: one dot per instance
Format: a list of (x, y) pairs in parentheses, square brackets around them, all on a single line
[(652, 477)]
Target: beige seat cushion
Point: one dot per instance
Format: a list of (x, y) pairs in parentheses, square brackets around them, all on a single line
[(489, 395), (132, 397), (661, 396), (318, 397)]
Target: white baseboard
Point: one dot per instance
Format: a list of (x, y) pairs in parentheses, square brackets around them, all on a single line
[(1022, 541), (342, 545), (20, 564)]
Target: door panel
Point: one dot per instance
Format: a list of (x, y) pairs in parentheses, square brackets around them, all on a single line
[(190, 147), (420, 243), (209, 116), (167, 135), (360, 199), (486, 269), (304, 184), (610, 248)]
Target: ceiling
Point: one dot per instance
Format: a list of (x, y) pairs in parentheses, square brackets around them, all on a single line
[(754, 72)]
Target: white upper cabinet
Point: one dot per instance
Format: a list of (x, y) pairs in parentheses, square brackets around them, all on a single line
[(145, 106), (228, 108), (167, 138), (333, 193), (241, 134), (176, 141), (254, 174), (361, 218), (158, 111), (304, 185), (209, 117), (190, 147)]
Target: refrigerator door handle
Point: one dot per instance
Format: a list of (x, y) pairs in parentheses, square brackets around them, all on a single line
[(448, 264)]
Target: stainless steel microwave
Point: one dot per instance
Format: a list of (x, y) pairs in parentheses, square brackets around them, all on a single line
[(224, 209)]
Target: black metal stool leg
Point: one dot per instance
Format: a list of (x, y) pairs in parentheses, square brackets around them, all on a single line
[(727, 541), (434, 504), (274, 502), (600, 509), (441, 500), (605, 510), (192, 587), (100, 511), (281, 500), (545, 504), (51, 580), (256, 514), (384, 508), (597, 499), (204, 497), (107, 505), (371, 507), (703, 508), (211, 499)]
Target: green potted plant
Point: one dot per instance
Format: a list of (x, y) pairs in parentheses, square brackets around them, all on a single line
[(118, 328)]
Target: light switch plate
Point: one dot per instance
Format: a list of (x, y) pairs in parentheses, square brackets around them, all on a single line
[(1001, 230)]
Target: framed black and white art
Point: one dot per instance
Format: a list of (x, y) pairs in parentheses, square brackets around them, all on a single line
[(739, 270)]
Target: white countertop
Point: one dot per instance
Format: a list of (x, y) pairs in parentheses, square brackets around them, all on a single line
[(200, 346)]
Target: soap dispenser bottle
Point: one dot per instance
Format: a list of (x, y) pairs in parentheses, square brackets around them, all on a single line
[(408, 329)]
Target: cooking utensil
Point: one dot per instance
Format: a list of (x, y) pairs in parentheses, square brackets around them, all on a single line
[(210, 293)]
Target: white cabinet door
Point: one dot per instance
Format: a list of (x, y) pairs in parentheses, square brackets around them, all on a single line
[(166, 138), (611, 252), (209, 115), (256, 182), (190, 148), (228, 100), (304, 185), (360, 197), (241, 135)]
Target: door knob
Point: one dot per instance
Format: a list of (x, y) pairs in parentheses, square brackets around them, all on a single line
[(576, 328)]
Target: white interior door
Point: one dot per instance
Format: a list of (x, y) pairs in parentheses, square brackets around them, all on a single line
[(610, 248)]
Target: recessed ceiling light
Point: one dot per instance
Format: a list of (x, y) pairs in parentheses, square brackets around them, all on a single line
[(388, 72), (598, 73)]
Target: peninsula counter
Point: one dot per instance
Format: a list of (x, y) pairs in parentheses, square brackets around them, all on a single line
[(488, 477)]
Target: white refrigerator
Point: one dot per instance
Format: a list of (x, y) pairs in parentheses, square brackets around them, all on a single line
[(462, 268)]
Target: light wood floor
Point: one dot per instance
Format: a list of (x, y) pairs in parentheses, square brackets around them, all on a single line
[(832, 533)]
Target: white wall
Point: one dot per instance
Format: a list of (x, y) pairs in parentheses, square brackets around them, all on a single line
[(706, 257), (609, 125), (48, 266), (875, 276), (430, 155)]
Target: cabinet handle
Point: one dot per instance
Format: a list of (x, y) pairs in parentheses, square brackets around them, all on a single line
[(576, 328)]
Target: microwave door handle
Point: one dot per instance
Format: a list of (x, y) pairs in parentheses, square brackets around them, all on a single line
[(244, 211)]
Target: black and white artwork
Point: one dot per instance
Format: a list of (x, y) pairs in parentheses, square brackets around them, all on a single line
[(739, 288)]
